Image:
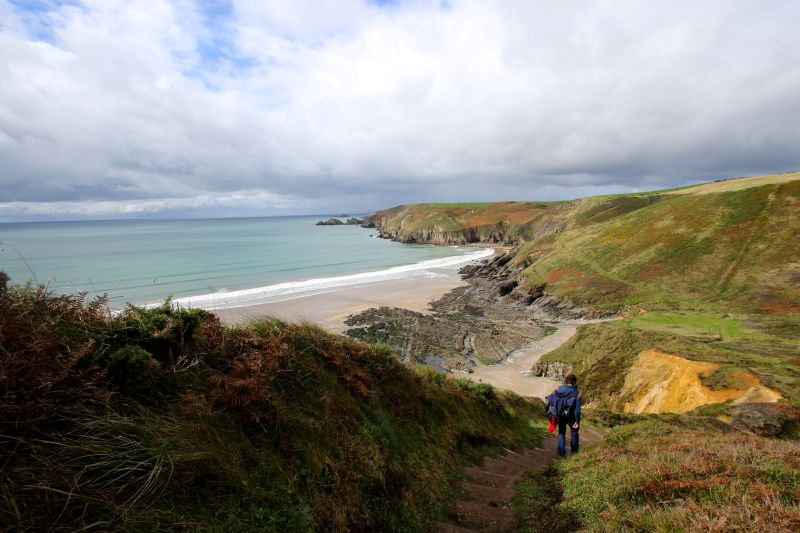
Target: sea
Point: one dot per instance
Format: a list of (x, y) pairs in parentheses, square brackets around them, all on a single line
[(213, 263)]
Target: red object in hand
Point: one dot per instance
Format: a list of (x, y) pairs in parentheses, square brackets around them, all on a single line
[(552, 426)]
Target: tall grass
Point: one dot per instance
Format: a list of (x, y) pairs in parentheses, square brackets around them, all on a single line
[(166, 419), (683, 474)]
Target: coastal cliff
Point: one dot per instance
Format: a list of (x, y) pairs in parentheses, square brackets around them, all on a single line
[(729, 242), (707, 272), (506, 223)]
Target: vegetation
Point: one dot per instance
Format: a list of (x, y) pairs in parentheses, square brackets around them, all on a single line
[(707, 272), (163, 418), (669, 473), (602, 353), (460, 204), (711, 251)]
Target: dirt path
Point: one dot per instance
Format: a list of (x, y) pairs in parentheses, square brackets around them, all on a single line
[(509, 374), (489, 488)]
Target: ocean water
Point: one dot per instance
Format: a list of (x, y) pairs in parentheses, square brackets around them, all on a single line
[(213, 263)]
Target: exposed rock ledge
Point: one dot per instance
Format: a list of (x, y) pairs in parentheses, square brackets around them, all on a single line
[(556, 370)]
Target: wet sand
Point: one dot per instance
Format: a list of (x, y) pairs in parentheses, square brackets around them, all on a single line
[(508, 374), (329, 309)]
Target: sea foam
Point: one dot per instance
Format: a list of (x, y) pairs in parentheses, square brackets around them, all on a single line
[(295, 289)]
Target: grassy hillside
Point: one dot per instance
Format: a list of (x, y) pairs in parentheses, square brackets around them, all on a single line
[(709, 272), (741, 348), (707, 277), (504, 222), (669, 474), (165, 419), (716, 245), (715, 250)]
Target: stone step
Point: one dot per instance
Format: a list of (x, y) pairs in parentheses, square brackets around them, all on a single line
[(478, 475), (488, 495), (445, 527), (536, 459), (502, 466), (483, 517), (528, 461), (489, 486)]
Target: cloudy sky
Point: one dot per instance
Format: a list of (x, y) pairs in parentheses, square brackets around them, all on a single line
[(148, 108)]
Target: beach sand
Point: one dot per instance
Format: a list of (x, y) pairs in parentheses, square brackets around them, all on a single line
[(509, 375), (329, 309)]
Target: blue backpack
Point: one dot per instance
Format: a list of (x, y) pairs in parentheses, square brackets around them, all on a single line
[(561, 406)]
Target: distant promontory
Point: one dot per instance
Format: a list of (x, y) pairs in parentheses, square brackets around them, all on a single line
[(352, 221)]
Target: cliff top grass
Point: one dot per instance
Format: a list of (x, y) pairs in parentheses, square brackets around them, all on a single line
[(765, 346), (670, 473), (732, 249), (165, 419), (732, 243), (709, 272)]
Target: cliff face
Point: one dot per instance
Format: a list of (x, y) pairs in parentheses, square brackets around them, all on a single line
[(729, 243), (507, 223), (503, 223)]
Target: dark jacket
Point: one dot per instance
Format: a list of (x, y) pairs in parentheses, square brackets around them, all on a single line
[(568, 391)]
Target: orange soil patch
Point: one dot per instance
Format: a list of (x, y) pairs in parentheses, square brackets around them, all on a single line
[(664, 383), (780, 307), (509, 212), (556, 275)]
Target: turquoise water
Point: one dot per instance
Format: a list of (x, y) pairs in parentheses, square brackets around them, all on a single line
[(144, 261)]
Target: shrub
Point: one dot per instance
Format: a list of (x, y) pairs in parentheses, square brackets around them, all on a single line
[(164, 418)]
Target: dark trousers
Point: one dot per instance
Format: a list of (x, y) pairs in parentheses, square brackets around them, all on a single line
[(562, 437)]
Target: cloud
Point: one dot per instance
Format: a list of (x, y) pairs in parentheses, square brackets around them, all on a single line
[(161, 106), (230, 203)]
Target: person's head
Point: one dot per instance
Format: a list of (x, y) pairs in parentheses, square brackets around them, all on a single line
[(571, 380)]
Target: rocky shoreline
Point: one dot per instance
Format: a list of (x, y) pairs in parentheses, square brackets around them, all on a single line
[(483, 323)]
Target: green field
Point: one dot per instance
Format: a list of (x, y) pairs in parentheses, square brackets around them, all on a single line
[(722, 328)]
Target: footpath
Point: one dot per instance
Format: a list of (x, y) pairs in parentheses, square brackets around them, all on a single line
[(489, 488)]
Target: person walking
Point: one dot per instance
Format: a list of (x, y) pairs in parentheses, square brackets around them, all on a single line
[(564, 408)]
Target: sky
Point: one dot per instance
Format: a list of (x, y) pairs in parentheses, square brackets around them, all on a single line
[(173, 108)]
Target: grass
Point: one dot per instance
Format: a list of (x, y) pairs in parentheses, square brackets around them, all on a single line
[(731, 249), (548, 330), (667, 473), (458, 204), (682, 474), (538, 496), (725, 328), (166, 419), (602, 353)]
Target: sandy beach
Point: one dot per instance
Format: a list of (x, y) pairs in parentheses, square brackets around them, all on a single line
[(330, 308), (509, 374)]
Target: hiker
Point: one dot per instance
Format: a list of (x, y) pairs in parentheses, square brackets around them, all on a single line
[(564, 409)]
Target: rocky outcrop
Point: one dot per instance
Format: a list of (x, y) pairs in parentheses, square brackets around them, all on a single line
[(501, 278), (767, 419), (499, 233), (556, 370), (336, 222), (330, 222), (464, 329)]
